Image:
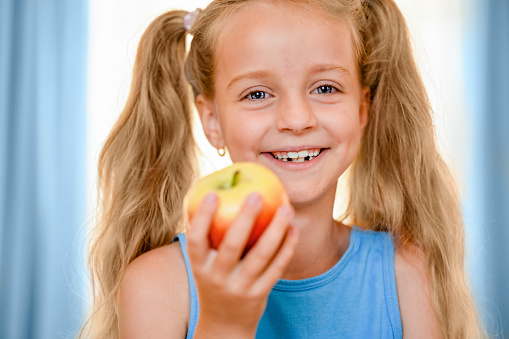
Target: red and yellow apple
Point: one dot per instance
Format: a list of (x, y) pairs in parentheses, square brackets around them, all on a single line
[(232, 185)]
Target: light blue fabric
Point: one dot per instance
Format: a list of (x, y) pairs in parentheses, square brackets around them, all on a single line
[(356, 298), (195, 308), (486, 205), (42, 167)]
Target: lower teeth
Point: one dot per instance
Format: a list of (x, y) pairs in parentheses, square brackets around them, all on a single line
[(296, 159)]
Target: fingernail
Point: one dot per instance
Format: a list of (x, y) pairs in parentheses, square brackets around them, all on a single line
[(294, 231), (253, 199), (210, 198), (286, 210)]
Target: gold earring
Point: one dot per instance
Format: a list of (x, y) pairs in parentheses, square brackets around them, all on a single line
[(221, 151)]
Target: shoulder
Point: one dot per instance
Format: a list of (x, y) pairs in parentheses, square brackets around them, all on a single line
[(414, 295), (154, 295)]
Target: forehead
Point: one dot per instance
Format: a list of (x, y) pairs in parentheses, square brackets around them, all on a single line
[(264, 34)]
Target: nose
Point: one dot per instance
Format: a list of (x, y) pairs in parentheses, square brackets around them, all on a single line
[(296, 115)]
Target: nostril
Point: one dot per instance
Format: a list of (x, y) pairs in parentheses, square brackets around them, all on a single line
[(297, 117)]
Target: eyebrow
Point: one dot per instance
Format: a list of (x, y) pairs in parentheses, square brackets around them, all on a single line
[(319, 68), (322, 68), (250, 75)]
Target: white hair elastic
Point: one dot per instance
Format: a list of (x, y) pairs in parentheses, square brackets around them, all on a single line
[(190, 18)]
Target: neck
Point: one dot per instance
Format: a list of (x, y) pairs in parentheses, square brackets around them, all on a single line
[(322, 242)]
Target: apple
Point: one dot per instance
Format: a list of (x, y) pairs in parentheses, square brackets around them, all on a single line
[(232, 185)]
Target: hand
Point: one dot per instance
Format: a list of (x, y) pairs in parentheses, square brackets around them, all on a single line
[(232, 290)]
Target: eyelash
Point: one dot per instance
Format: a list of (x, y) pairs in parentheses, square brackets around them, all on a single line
[(331, 88), (247, 97)]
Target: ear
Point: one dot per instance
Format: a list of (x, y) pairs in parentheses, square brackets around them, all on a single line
[(364, 107), (210, 121)]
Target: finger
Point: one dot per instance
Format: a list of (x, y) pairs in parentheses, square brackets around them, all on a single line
[(277, 267), (236, 237), (197, 233), (268, 244)]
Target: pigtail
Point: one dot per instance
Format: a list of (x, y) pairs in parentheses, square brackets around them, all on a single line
[(399, 182), (145, 168)]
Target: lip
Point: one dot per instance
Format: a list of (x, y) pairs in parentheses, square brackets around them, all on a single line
[(296, 166)]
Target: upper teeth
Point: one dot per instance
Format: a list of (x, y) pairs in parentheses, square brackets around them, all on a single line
[(297, 156)]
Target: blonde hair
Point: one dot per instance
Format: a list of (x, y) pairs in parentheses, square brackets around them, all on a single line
[(145, 168), (398, 182)]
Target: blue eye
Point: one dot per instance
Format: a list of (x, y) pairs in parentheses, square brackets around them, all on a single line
[(257, 95), (325, 89)]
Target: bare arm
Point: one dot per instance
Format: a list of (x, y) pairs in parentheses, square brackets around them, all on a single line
[(154, 299), (417, 315)]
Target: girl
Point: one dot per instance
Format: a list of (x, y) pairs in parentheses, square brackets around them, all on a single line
[(332, 80)]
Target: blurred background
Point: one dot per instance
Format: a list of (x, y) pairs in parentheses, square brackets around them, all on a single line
[(64, 77)]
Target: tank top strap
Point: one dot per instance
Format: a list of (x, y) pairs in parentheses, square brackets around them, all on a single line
[(391, 293), (195, 309)]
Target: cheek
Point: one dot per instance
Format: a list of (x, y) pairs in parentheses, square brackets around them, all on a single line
[(242, 137), (347, 132), (344, 125)]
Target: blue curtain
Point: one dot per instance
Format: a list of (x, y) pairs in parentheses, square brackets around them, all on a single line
[(42, 167), (487, 194)]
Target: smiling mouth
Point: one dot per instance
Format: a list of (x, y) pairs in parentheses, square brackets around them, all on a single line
[(301, 156)]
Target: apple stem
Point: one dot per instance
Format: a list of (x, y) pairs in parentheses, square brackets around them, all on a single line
[(235, 179)]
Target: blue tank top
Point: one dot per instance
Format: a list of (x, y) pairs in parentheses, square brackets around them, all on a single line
[(356, 298)]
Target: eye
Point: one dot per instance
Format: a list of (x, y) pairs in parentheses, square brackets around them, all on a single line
[(325, 89), (257, 95)]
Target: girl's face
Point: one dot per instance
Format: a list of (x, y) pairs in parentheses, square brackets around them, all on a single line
[(288, 96)]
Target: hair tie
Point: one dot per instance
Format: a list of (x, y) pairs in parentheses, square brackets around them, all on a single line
[(190, 18)]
